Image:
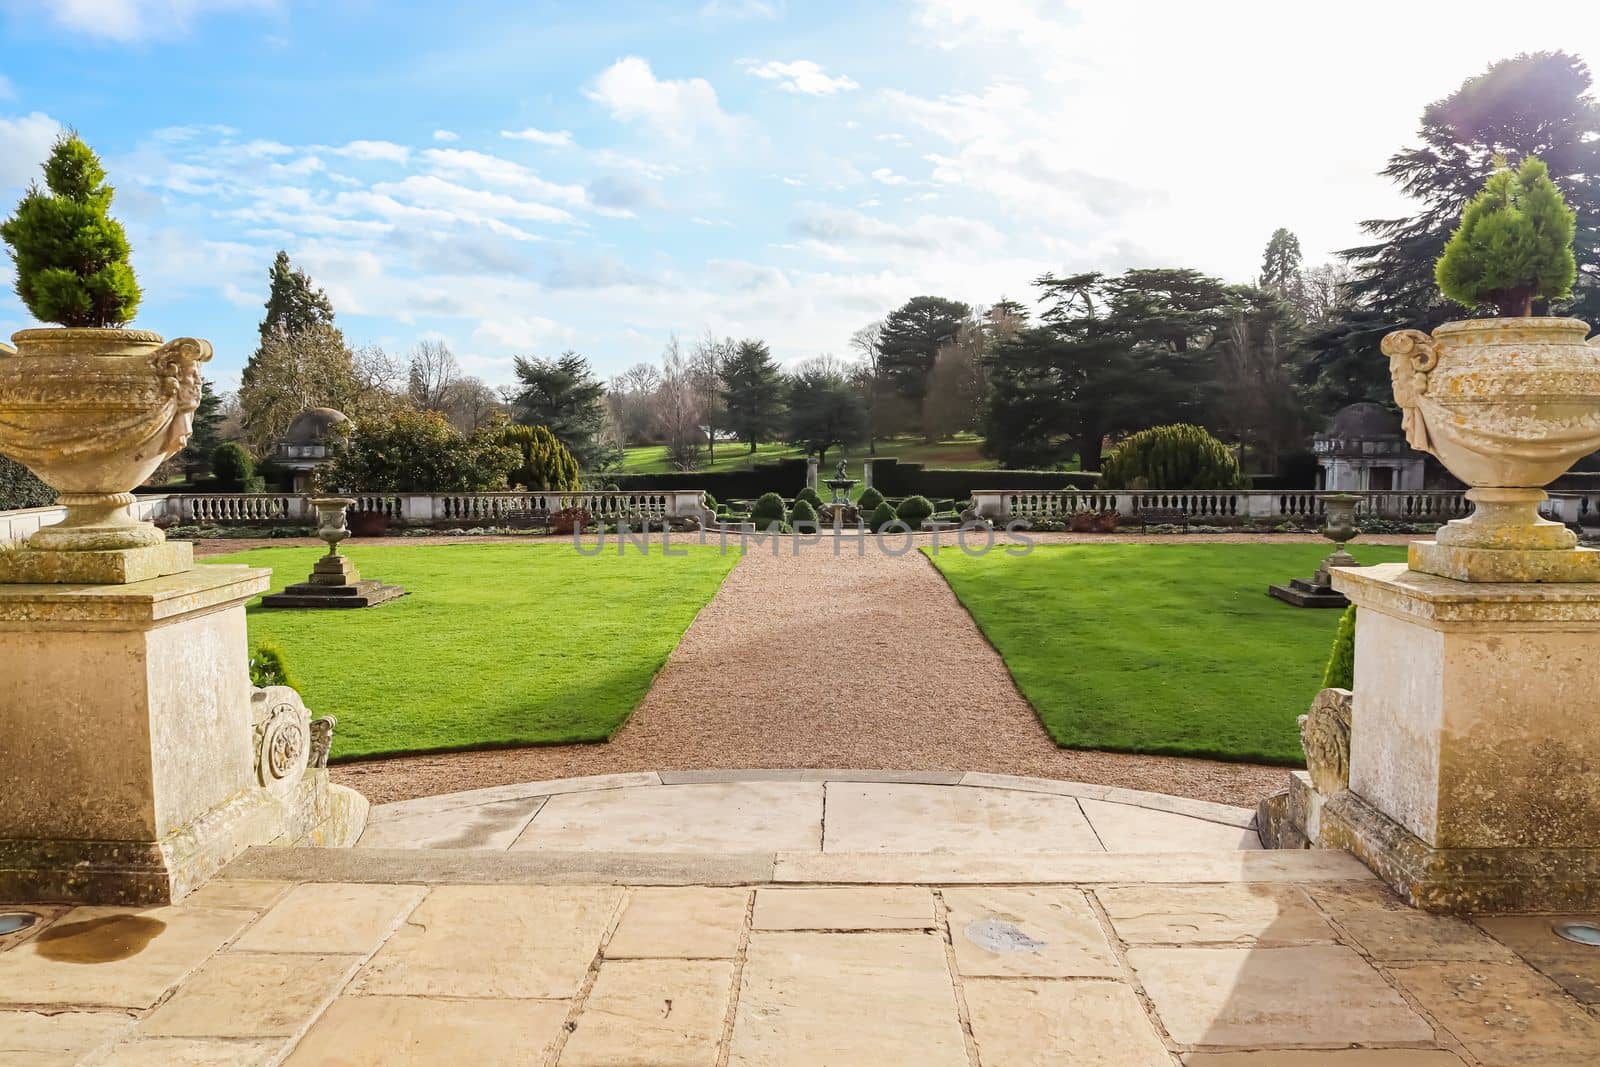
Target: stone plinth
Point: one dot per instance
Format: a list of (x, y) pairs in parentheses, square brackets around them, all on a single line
[(103, 567), (132, 764), (334, 583), (1474, 745)]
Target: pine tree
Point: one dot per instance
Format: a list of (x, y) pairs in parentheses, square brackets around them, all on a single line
[(1280, 265), (564, 395), (294, 302), (205, 435), (752, 393), (910, 341), (71, 256), (1514, 244)]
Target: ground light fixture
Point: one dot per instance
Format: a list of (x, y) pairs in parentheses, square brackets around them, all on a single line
[(1582, 933), (12, 921)]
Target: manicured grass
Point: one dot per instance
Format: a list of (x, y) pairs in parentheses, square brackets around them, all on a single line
[(958, 451), (1171, 648), (497, 644)]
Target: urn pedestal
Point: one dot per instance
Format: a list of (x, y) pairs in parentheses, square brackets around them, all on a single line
[(1472, 777), (138, 759)]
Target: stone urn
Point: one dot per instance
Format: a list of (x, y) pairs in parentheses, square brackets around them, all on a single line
[(332, 525), (1508, 405), (93, 412), (1340, 509)]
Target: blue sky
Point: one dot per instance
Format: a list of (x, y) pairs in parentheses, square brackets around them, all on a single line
[(528, 177)]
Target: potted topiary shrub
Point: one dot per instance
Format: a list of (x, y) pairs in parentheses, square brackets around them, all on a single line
[(1507, 403), (89, 406)]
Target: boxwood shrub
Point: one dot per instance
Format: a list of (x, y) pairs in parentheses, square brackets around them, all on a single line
[(914, 510)]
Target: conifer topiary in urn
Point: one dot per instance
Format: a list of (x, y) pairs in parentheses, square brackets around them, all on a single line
[(91, 408), (71, 255), (1514, 244)]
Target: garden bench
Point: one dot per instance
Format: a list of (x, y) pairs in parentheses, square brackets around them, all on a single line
[(1163, 517)]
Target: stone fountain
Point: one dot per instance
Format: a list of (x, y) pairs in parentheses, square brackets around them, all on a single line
[(1318, 591), (334, 580), (839, 511)]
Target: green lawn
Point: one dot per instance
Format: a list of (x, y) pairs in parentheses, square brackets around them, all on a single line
[(1170, 648), (958, 451), (497, 644)]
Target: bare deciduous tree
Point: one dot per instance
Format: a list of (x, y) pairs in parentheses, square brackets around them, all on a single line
[(679, 409), (630, 399), (432, 371), (471, 404)]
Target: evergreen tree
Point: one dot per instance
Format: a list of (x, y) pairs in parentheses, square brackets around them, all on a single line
[(1280, 265), (752, 393), (294, 302), (564, 395), (547, 465), (1514, 244), (1535, 104), (71, 255), (824, 409), (207, 424), (910, 341), (1171, 457)]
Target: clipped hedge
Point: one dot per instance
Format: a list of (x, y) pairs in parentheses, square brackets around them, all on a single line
[(802, 512), (870, 499), (768, 510), (882, 516), (894, 478), (1341, 670), (809, 495), (914, 511)]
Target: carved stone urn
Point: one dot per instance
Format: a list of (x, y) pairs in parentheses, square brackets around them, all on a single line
[(93, 412), (1508, 405), (332, 526)]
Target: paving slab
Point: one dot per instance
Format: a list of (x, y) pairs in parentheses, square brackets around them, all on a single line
[(494, 941), (801, 774), (1345, 1057), (114, 957), (244, 994), (652, 1013), (1262, 997), (56, 1039), (1574, 967), (191, 1052), (419, 1032), (845, 908), (1125, 828), (517, 791), (711, 817), (1390, 930), (1044, 932), (469, 867), (1238, 913), (1210, 811), (332, 919), (846, 1000), (479, 826), (239, 893), (1083, 868), (673, 923), (1504, 1014), (877, 817), (1031, 1023)]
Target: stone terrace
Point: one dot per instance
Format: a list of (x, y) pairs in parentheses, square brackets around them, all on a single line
[(786, 933)]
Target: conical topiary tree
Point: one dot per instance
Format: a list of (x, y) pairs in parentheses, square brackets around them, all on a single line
[(1514, 244), (71, 255), (547, 465), (1179, 456)]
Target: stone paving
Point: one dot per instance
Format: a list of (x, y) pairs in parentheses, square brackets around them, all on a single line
[(499, 945)]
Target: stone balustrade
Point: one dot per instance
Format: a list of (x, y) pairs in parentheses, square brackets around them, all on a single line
[(1228, 506), (402, 509)]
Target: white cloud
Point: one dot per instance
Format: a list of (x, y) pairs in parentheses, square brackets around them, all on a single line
[(446, 136), (740, 10), (838, 227), (375, 151), (885, 176), (801, 76), (493, 170), (24, 143), (677, 109), (552, 138), (132, 20)]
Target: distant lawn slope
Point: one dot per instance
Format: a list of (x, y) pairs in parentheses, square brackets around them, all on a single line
[(958, 451), (1172, 649), (497, 644)]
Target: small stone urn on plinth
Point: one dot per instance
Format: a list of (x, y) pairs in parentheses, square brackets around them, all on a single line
[(1318, 591), (1466, 751), (334, 581)]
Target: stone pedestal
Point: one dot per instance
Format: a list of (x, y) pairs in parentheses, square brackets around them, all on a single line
[(116, 566), (1474, 753), (134, 764), (334, 583)]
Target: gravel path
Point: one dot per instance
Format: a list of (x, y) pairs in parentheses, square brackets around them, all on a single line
[(812, 659)]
